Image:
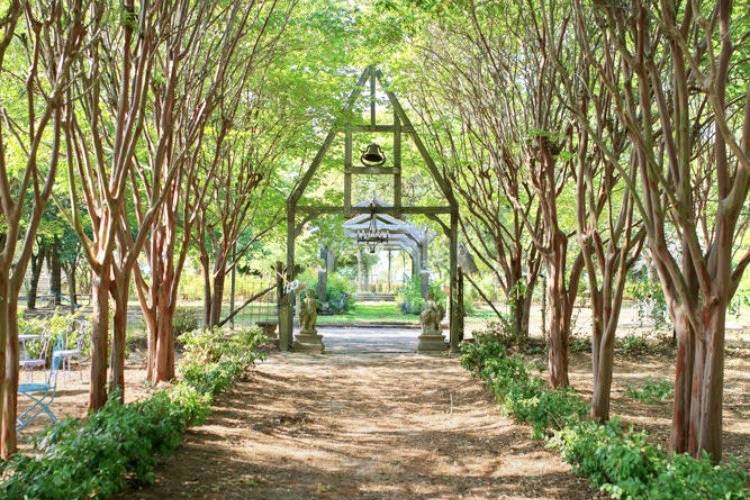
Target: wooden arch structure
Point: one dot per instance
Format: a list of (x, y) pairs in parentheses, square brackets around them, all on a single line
[(400, 126)]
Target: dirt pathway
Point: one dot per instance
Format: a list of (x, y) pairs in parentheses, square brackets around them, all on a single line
[(361, 426)]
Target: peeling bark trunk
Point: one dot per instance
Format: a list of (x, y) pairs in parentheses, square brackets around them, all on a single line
[(603, 354), (560, 311), (163, 369), (99, 337), (218, 295), (37, 262), (699, 381), (9, 318), (55, 271), (119, 291)]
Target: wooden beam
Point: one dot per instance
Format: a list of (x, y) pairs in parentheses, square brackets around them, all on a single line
[(373, 170), (397, 162), (302, 185), (377, 210), (347, 171), (372, 96), (441, 181), (375, 128)]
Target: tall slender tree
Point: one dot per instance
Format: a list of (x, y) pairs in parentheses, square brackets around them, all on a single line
[(39, 42), (667, 67)]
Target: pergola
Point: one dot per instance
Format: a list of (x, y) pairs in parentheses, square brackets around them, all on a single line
[(403, 235), (400, 126)]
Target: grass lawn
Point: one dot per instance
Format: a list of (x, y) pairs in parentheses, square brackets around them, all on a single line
[(370, 312), (377, 312)]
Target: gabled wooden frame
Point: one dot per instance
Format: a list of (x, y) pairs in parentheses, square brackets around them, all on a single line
[(401, 125)]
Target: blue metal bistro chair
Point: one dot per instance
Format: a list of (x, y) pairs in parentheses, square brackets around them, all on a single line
[(40, 395)]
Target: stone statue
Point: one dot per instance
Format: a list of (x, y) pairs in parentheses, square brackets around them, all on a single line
[(308, 339), (308, 314), (431, 317)]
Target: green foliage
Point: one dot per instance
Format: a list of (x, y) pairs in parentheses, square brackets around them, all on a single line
[(339, 294), (484, 347), (687, 477), (634, 345), (97, 457), (621, 462), (60, 327), (184, 320), (213, 359), (524, 397), (120, 444), (580, 344), (624, 464), (650, 301), (410, 298), (339, 297), (652, 391)]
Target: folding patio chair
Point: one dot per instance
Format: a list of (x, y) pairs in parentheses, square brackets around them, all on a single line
[(40, 362), (40, 395), (72, 355)]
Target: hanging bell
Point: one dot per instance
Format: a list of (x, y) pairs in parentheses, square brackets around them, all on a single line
[(373, 156)]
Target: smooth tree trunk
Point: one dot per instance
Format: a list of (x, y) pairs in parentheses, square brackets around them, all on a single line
[(119, 291), (99, 339), (37, 262), (55, 272), (9, 365), (70, 273), (560, 313)]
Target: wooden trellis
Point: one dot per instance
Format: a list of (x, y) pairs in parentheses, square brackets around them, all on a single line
[(400, 125)]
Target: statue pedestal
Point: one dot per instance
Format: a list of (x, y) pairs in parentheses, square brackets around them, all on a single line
[(431, 341), (309, 341)]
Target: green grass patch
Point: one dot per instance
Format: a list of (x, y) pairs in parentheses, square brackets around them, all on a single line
[(370, 312)]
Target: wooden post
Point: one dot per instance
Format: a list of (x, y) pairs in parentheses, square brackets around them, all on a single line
[(347, 171), (397, 164), (233, 284), (286, 304), (455, 324), (372, 98)]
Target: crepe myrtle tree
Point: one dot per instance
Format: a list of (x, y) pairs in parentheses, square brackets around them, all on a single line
[(666, 67), (183, 105), (39, 42), (484, 171), (103, 127)]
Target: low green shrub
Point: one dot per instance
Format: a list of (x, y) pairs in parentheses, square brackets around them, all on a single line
[(686, 477), (526, 398), (120, 444), (339, 294), (410, 299), (621, 462), (634, 345), (652, 391), (184, 320), (484, 347), (580, 344)]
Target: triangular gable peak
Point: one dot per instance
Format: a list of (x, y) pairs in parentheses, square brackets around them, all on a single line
[(366, 90)]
